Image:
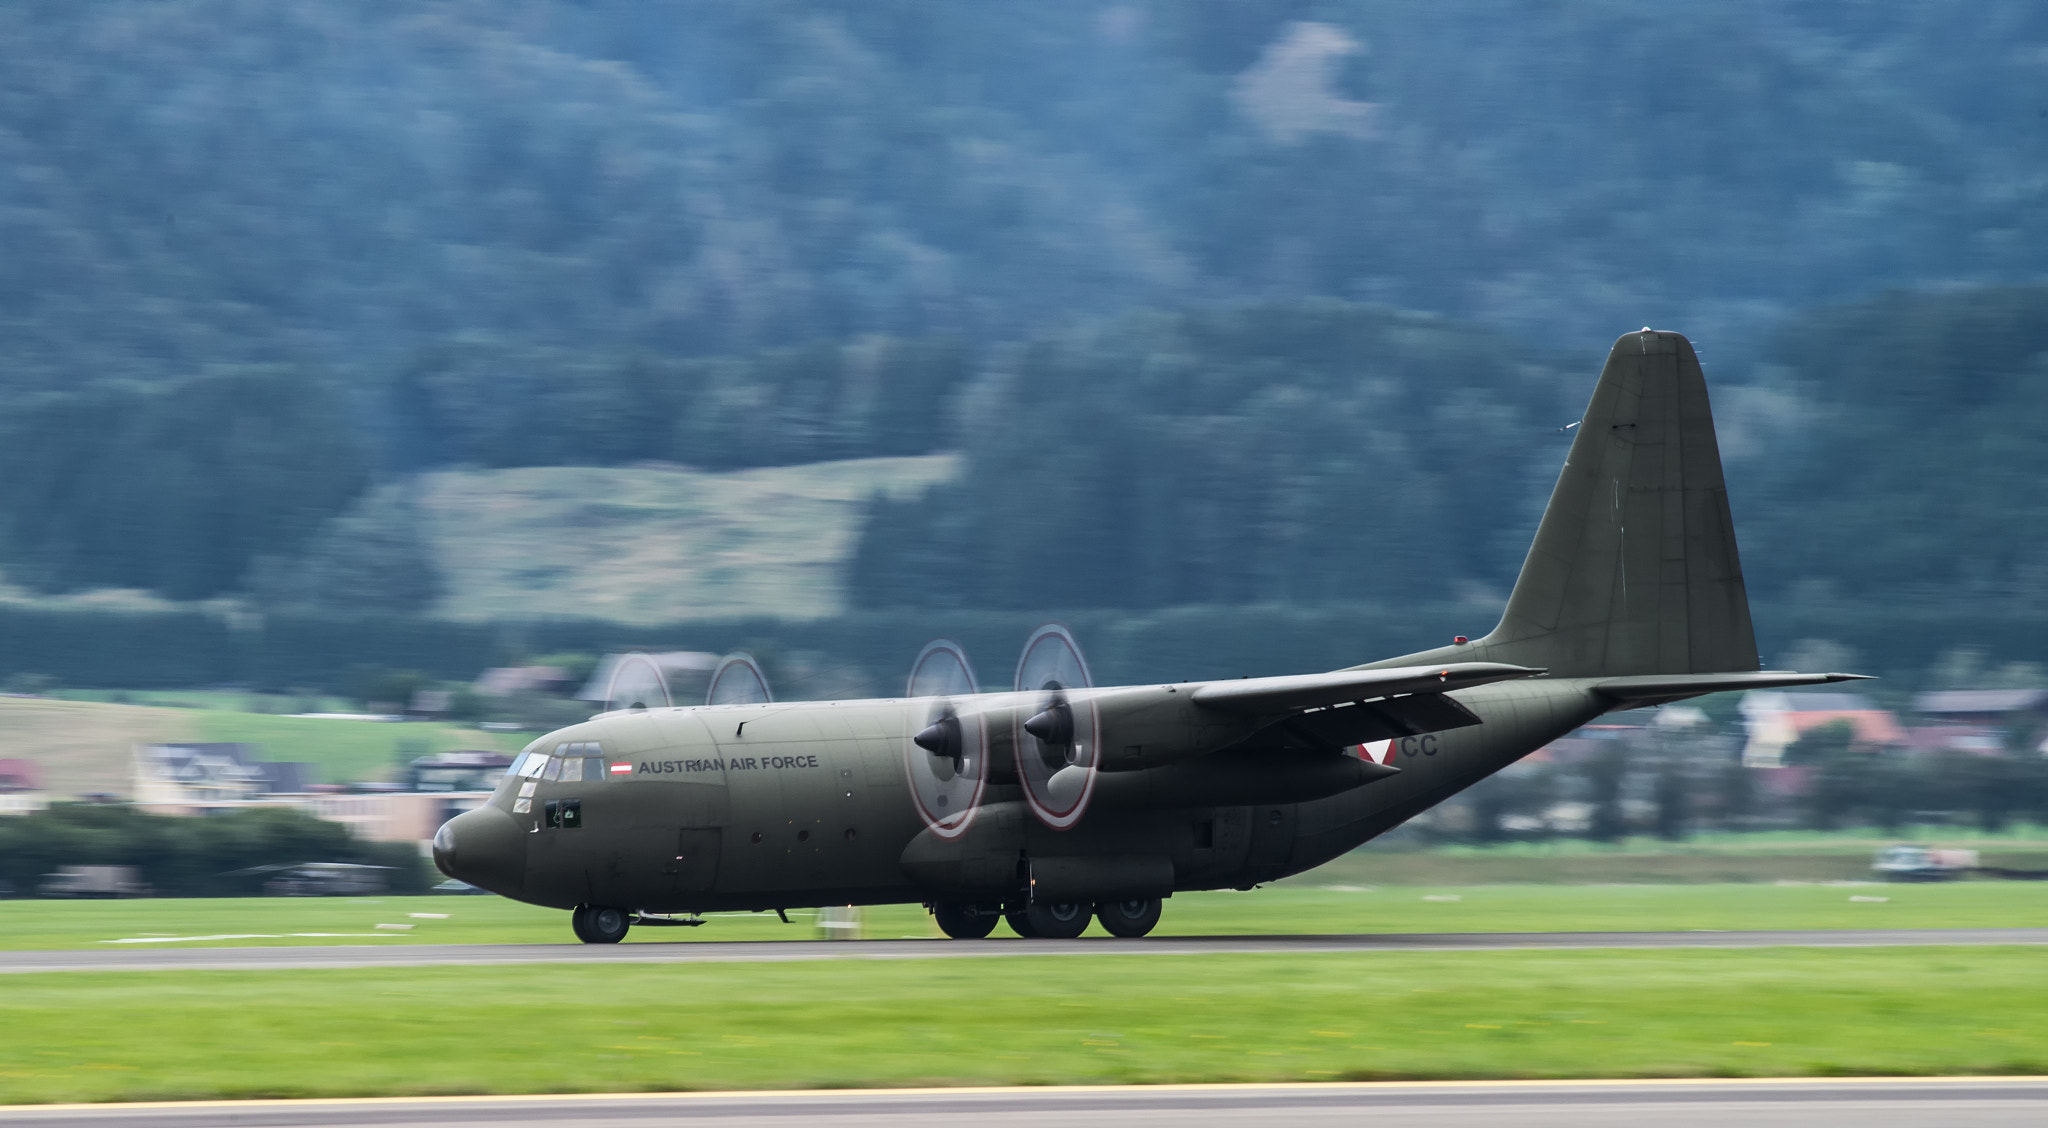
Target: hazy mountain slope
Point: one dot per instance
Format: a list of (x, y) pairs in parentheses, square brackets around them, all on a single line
[(655, 545)]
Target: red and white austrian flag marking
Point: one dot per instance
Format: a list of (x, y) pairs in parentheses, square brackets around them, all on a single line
[(622, 769), (1379, 751)]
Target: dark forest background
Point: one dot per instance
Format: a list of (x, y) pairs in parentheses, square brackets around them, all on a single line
[(1226, 303)]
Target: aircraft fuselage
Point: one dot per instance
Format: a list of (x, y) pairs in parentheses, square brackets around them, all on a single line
[(795, 804)]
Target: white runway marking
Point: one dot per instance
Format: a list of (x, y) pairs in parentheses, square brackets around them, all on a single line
[(779, 951)]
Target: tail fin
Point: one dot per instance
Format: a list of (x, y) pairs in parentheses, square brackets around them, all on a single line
[(1634, 569)]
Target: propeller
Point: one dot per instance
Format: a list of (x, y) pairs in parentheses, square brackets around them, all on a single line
[(946, 758), (738, 681), (1059, 730), (637, 683)]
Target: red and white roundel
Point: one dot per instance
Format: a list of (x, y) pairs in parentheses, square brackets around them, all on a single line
[(1378, 751)]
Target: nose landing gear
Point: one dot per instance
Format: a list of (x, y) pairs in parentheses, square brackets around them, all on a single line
[(598, 924)]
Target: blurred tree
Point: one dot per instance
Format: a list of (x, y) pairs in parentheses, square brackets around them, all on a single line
[(190, 857), (1672, 797), (1821, 744), (176, 488), (1301, 453), (1606, 776), (375, 557), (383, 688)]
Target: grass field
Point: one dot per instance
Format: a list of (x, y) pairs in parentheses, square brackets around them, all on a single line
[(1285, 909), (551, 1028), (1705, 858), (85, 746), (656, 544)]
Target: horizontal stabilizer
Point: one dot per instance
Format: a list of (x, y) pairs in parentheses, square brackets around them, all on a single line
[(1300, 692), (1651, 688)]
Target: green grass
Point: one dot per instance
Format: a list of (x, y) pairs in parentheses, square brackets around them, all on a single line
[(656, 544), (233, 700), (95, 1036), (88, 746), (344, 751), (1285, 909)]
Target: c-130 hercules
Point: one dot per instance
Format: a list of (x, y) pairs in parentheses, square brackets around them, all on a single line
[(1058, 801)]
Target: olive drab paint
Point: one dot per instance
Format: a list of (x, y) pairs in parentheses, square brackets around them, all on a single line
[(1631, 594)]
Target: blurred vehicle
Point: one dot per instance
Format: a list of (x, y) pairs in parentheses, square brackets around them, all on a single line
[(93, 881), (327, 879), (1922, 863)]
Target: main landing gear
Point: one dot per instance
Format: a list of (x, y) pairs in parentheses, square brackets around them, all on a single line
[(1049, 920), (598, 924), (966, 922)]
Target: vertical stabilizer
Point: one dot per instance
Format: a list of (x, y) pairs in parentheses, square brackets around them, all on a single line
[(1634, 568)]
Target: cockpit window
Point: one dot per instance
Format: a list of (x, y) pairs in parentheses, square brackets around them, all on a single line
[(534, 764), (593, 766), (554, 769), (572, 769)]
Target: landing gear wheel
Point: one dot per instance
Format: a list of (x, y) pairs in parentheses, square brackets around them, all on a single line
[(965, 922), (1129, 919), (1056, 920), (598, 924), (1020, 923)]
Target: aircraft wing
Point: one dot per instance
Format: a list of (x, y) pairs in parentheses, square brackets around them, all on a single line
[(1296, 692), (1357, 706)]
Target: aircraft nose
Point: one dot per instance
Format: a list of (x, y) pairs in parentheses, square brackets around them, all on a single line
[(483, 847)]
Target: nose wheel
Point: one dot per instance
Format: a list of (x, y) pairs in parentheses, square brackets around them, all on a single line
[(599, 924)]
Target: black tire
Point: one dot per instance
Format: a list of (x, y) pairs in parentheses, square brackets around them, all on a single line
[(576, 916), (1129, 919), (1057, 920), (965, 922), (1020, 923), (604, 925)]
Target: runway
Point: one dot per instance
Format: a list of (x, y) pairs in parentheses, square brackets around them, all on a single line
[(780, 951), (1868, 1103)]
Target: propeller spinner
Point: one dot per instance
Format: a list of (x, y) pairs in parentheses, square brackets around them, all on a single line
[(1058, 731), (738, 681), (946, 759)]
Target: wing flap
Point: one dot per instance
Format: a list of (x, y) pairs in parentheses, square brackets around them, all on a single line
[(1408, 715)]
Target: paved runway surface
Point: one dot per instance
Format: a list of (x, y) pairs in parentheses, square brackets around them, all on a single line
[(1872, 1103), (705, 951)]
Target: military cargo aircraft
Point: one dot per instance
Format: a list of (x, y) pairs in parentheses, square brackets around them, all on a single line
[(1057, 801)]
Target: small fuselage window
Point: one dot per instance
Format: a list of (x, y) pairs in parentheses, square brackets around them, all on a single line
[(563, 814)]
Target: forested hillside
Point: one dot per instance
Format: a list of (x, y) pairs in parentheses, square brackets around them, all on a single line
[(188, 182), (1299, 453), (1220, 302)]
